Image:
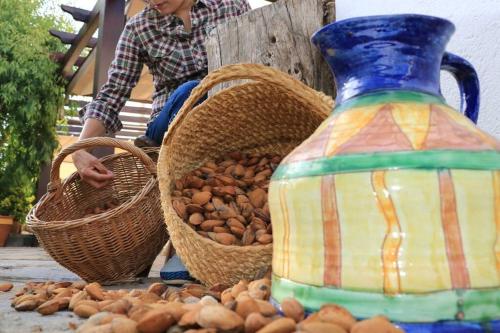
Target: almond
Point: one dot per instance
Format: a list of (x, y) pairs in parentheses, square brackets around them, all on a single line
[(88, 302), (79, 296), (201, 198), (239, 171), (123, 325), (4, 287), (180, 208), (226, 296), (332, 313), (84, 311), (196, 182), (194, 208), (238, 231), (225, 239), (238, 288), (95, 291), (157, 288), (196, 218), (258, 197), (246, 307), (208, 225), (375, 324), (255, 321), (189, 318), (120, 306), (63, 302), (320, 327), (48, 307), (220, 318), (265, 239), (234, 222), (226, 180), (260, 289), (292, 309), (266, 308), (155, 321), (248, 236), (282, 325), (28, 305)]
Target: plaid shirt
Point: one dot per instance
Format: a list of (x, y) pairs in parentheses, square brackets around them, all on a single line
[(173, 56)]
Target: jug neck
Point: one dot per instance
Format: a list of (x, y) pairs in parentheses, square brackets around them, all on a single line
[(389, 52)]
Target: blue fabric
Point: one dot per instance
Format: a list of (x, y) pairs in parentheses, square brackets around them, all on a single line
[(157, 128)]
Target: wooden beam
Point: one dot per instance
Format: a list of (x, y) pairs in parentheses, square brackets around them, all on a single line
[(84, 35), (111, 24), (78, 14), (69, 38), (80, 76)]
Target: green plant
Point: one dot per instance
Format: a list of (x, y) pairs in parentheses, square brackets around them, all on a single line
[(31, 94)]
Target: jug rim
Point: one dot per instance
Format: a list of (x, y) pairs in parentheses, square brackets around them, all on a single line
[(341, 23)]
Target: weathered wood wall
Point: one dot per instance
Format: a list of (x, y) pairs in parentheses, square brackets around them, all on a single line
[(276, 35)]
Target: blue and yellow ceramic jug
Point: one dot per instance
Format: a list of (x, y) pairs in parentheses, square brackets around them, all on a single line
[(393, 205)]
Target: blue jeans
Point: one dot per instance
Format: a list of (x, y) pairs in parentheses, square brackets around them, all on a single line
[(157, 128)]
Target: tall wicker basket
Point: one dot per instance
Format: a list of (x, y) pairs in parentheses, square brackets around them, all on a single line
[(116, 245), (274, 114)]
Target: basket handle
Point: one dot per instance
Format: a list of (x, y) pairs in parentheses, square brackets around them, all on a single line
[(254, 72), (55, 180)]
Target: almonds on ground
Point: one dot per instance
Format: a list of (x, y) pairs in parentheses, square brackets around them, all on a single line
[(193, 307)]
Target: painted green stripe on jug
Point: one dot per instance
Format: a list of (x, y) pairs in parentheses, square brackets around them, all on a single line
[(391, 96), (477, 304), (429, 159)]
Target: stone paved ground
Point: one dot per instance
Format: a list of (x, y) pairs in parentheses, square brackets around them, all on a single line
[(19, 265)]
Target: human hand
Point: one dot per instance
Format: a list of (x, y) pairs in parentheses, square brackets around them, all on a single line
[(91, 170)]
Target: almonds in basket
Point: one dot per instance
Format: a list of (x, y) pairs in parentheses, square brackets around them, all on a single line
[(226, 200)]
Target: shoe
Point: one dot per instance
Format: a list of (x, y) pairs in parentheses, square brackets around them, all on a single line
[(174, 272), (143, 141)]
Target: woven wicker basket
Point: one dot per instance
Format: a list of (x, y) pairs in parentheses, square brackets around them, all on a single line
[(272, 115), (116, 245)]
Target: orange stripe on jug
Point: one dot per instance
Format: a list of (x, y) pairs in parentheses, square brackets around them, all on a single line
[(331, 231), (392, 239), (454, 249)]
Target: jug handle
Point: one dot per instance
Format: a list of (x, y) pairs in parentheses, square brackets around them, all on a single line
[(468, 83)]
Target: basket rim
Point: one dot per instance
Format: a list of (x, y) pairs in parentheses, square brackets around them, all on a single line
[(33, 221)]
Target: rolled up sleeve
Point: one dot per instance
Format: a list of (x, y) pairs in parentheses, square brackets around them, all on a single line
[(123, 74)]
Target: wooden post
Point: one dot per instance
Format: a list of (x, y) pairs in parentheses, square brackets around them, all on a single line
[(111, 23), (276, 35)]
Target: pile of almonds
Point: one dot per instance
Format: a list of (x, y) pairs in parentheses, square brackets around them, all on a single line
[(243, 308), (104, 207), (226, 200)]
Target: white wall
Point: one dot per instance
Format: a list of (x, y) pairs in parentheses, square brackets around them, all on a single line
[(477, 39)]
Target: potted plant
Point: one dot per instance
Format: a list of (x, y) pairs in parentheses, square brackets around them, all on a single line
[(13, 207), (5, 226)]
